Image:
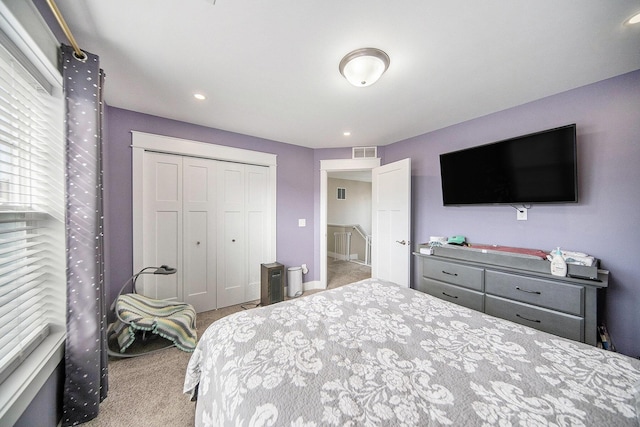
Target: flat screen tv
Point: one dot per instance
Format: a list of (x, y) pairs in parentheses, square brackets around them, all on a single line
[(536, 168)]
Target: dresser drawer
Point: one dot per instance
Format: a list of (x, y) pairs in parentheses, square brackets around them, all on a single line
[(456, 294), (564, 325), (462, 275), (545, 293)]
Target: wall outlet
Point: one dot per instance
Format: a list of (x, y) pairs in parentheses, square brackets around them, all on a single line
[(521, 214)]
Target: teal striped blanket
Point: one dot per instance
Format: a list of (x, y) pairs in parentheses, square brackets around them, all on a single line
[(175, 321)]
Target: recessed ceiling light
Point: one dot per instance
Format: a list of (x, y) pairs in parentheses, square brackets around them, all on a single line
[(199, 96), (635, 19), (346, 133)]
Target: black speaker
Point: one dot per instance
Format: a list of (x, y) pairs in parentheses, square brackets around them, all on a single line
[(271, 283)]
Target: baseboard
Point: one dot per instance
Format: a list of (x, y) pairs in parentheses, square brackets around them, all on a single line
[(341, 257), (306, 286), (315, 284)]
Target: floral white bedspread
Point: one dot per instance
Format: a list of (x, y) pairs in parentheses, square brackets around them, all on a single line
[(375, 354)]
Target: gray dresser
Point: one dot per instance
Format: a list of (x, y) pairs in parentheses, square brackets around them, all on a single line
[(564, 306)]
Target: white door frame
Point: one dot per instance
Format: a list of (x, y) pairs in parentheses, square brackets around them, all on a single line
[(142, 141), (333, 166)]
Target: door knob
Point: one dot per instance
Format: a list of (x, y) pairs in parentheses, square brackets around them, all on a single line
[(402, 242)]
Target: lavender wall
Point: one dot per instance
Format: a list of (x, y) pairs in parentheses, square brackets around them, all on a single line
[(294, 184), (605, 222), (45, 410)]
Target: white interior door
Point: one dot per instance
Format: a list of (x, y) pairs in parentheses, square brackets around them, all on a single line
[(231, 235), (258, 206), (162, 225), (391, 222), (169, 218), (199, 244)]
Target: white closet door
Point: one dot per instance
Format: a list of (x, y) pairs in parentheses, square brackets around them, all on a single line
[(162, 225), (232, 244), (199, 244), (229, 207), (258, 206)]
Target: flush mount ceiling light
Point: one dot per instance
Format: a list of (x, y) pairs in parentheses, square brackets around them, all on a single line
[(363, 67), (635, 19)]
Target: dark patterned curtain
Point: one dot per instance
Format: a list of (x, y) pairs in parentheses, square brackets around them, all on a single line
[(86, 353)]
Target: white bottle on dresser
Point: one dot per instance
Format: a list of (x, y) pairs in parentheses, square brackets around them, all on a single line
[(558, 264)]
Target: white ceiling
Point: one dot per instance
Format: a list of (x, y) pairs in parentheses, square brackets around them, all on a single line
[(270, 68)]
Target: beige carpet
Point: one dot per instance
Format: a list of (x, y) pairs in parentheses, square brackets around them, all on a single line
[(343, 272), (146, 391)]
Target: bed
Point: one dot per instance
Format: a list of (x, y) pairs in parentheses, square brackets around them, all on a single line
[(373, 353)]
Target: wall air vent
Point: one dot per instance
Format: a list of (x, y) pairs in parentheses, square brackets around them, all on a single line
[(365, 152)]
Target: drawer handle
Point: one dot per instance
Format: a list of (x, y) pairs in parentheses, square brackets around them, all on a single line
[(450, 274), (529, 292), (450, 296), (529, 320)]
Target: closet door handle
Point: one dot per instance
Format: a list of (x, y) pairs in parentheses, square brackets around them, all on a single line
[(529, 292)]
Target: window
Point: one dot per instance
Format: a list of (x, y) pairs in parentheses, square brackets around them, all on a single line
[(342, 193), (32, 239)]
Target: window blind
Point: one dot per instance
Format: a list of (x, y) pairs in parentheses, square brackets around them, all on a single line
[(31, 213)]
